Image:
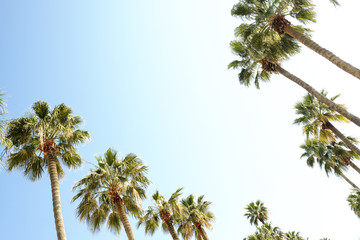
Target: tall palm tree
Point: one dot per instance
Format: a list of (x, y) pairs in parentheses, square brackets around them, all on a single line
[(195, 218), (256, 212), (354, 202), (45, 139), (269, 15), (330, 156), (111, 191), (315, 118), (260, 55), (166, 210)]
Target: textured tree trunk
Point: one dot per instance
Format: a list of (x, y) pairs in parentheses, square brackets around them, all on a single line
[(203, 234), (347, 67), (172, 231), (347, 143), (319, 96), (59, 222), (350, 182), (121, 208)]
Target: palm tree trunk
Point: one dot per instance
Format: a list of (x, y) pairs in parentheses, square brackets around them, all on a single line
[(203, 234), (347, 143), (319, 96), (171, 228), (59, 222), (347, 67), (125, 221), (350, 182)]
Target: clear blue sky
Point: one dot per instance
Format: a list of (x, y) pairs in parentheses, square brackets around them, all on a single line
[(150, 77)]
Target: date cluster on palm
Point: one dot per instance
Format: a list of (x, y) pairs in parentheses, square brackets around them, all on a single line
[(268, 66), (279, 23)]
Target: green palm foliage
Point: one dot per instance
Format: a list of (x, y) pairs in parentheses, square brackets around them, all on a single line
[(354, 202), (256, 212), (111, 192), (293, 236), (332, 157), (267, 232), (165, 211), (315, 115), (257, 50), (260, 55), (46, 139), (196, 216), (269, 16), (316, 119)]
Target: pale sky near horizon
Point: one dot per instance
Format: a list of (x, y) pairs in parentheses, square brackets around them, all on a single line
[(151, 77)]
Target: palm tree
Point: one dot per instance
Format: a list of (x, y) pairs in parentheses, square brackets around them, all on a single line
[(270, 16), (332, 157), (256, 212), (315, 118), (354, 202), (167, 211), (260, 55), (267, 232), (111, 191), (195, 217), (54, 134)]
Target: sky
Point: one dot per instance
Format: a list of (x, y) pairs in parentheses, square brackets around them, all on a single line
[(151, 78)]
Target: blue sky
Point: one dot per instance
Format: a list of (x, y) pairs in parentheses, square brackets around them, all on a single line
[(150, 77)]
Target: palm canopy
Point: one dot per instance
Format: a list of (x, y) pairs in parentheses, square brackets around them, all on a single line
[(314, 115), (334, 157), (264, 14), (113, 180), (255, 212), (354, 202), (267, 232), (41, 133), (259, 51), (196, 215), (165, 210)]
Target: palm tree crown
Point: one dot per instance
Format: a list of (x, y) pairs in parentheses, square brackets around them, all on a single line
[(259, 54), (115, 188), (45, 132), (165, 210), (314, 116), (196, 216), (264, 13), (330, 156), (256, 212), (267, 232), (354, 202)]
